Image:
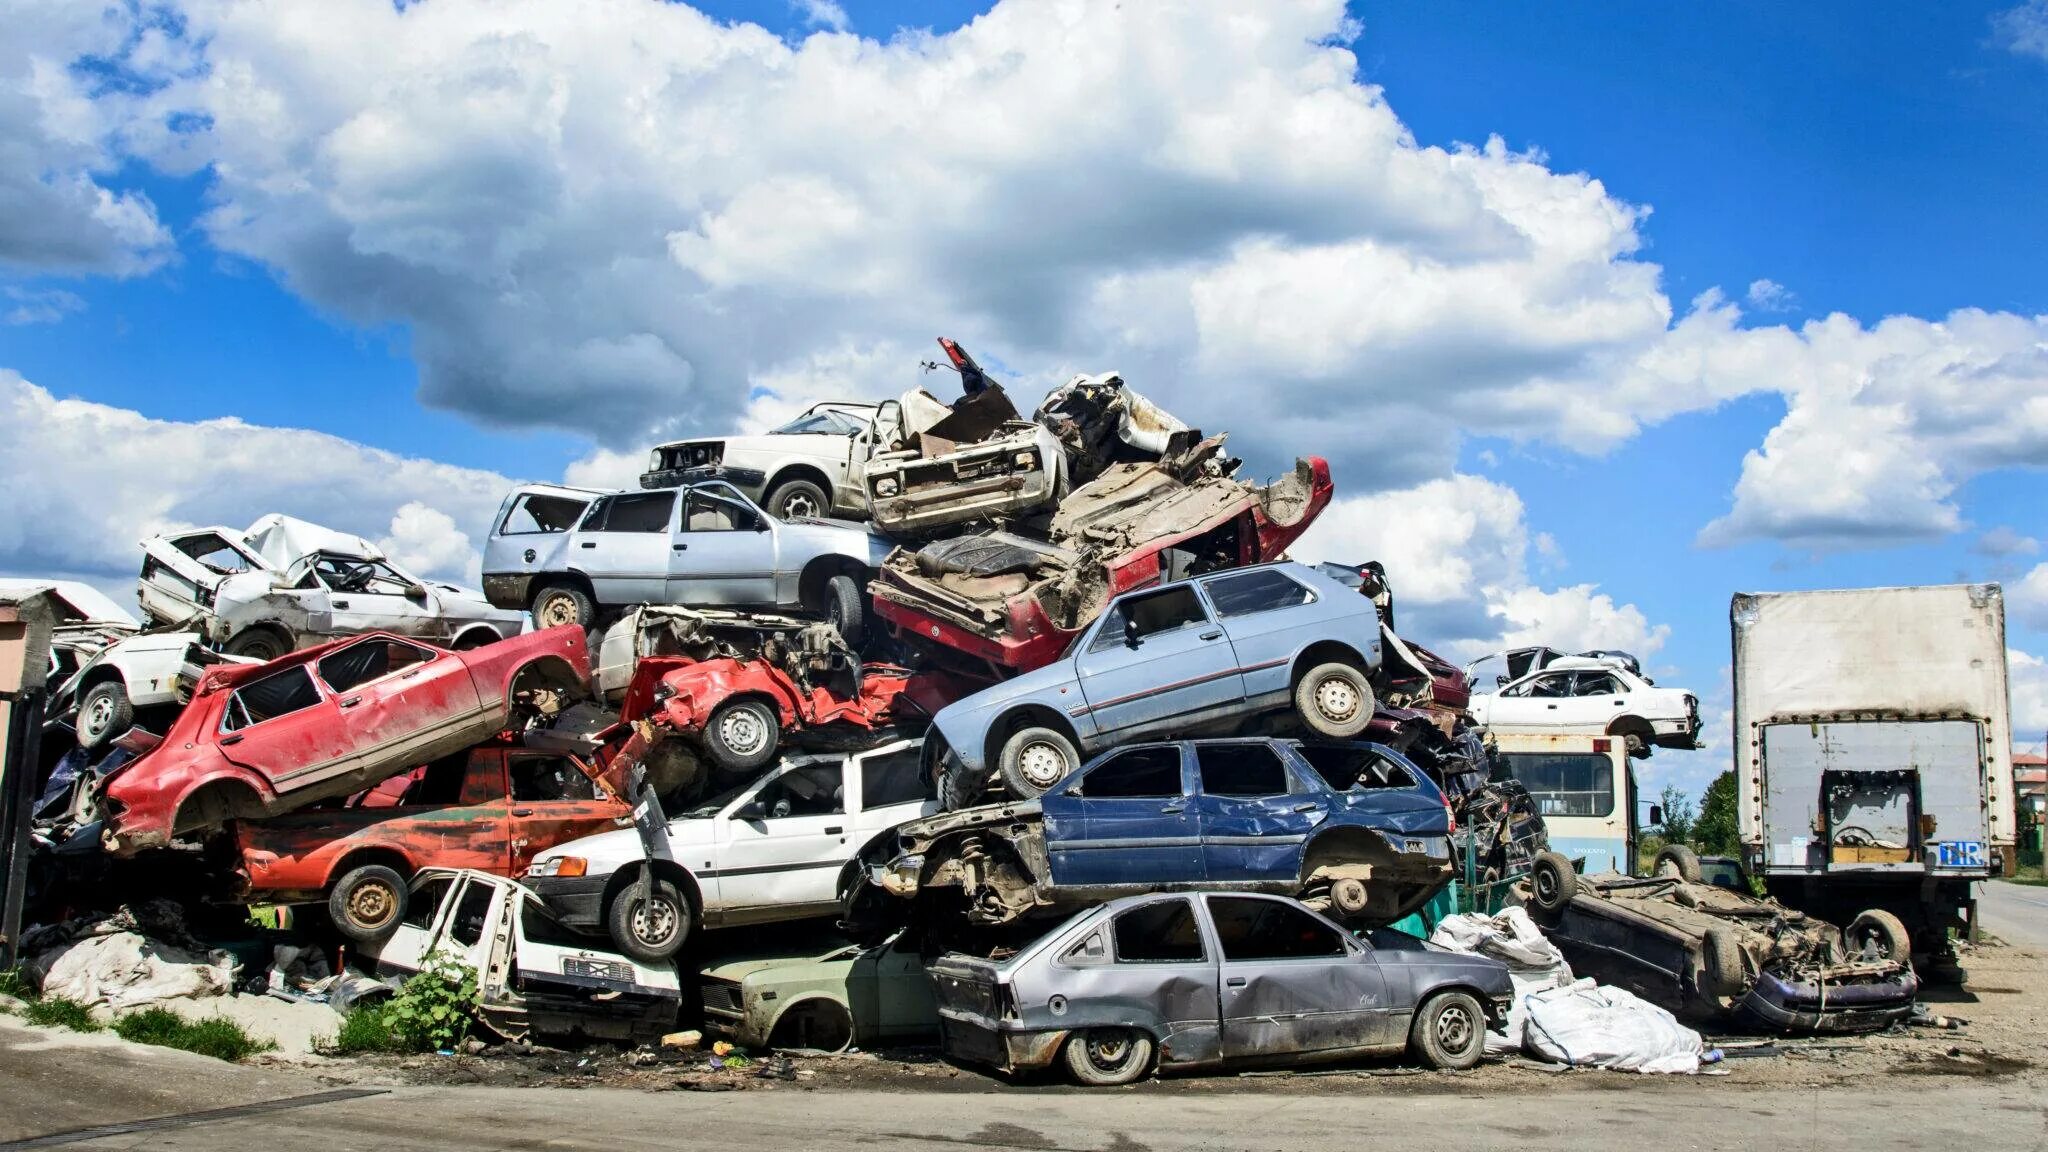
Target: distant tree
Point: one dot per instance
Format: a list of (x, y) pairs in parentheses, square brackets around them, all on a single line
[(1678, 818), (1714, 832)]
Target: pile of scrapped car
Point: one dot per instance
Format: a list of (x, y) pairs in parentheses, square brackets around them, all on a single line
[(1047, 723)]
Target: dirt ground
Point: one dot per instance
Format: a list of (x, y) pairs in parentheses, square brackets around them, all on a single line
[(2002, 1035)]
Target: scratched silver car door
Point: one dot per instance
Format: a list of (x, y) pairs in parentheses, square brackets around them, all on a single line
[(1292, 982)]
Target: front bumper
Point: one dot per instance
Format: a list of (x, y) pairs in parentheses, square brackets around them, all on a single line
[(578, 901), (1825, 1006)]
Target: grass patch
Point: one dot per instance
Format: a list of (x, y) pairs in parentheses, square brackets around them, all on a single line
[(214, 1036), (57, 1012), (366, 1029), (13, 983)]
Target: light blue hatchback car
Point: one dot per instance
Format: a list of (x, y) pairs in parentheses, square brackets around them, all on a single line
[(1201, 655)]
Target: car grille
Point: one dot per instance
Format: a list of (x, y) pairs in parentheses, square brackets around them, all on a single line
[(720, 996)]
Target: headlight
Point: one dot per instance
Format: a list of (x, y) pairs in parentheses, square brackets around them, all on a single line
[(885, 487), (654, 461), (559, 866), (1025, 461)]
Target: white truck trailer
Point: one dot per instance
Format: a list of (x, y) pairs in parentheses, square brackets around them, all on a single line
[(1873, 752)]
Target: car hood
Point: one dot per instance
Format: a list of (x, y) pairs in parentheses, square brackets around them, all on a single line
[(828, 967)]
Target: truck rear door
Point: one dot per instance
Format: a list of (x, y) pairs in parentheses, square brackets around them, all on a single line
[(1876, 795)]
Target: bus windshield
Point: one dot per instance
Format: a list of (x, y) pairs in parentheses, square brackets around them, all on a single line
[(1565, 784)]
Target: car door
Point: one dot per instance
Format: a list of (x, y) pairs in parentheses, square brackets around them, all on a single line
[(1292, 982), (1531, 703), (1128, 820), (368, 596), (1262, 613), (623, 546), (406, 949), (724, 552), (395, 697), (1155, 660), (283, 727), (1161, 959), (1597, 699), (553, 802), (1254, 814), (782, 845)]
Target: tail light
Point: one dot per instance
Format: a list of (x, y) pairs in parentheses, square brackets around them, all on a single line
[(1006, 1003), (1450, 813)]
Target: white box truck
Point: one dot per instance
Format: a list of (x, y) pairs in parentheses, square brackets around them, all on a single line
[(1873, 752)]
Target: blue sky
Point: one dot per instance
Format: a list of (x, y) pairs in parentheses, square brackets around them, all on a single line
[(1873, 161)]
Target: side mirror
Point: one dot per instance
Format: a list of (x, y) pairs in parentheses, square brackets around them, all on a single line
[(751, 810), (1131, 636), (1656, 814), (415, 591)]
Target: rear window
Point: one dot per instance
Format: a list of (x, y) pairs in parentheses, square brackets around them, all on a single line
[(1261, 591), (1344, 767), (535, 514)]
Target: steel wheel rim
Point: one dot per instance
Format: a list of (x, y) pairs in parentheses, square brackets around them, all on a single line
[(1454, 1028), (742, 731), (370, 905), (1336, 699), (1109, 1052), (654, 921), (1546, 885), (556, 611), (1042, 764), (98, 716), (798, 504)]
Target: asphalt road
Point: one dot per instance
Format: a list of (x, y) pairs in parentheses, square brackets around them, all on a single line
[(2014, 912)]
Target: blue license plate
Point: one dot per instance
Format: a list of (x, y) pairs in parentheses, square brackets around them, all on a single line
[(1960, 854)]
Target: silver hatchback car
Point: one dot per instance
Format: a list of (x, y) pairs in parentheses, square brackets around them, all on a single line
[(571, 556)]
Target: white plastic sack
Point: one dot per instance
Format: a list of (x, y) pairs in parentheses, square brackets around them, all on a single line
[(128, 970), (1534, 963), (1588, 1025)]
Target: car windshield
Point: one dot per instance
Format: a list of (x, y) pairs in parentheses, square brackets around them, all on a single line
[(823, 422)]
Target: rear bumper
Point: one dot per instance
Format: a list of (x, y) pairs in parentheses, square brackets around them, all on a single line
[(1819, 1006), (508, 589), (578, 901), (1009, 1051)]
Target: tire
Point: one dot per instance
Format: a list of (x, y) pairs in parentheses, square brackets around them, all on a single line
[(1552, 881), (1106, 1057), (742, 735), (954, 788), (652, 939), (1680, 861), (1349, 897), (793, 498), (1334, 700), (257, 644), (1449, 1032), (843, 608), (368, 903), (1721, 962), (1034, 759), (104, 712), (559, 604), (1879, 929)]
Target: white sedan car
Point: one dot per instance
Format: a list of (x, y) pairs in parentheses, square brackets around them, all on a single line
[(1609, 699)]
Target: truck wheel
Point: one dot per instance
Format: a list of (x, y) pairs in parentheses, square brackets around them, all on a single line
[(1721, 962), (742, 735), (793, 498), (844, 610), (1449, 1032), (257, 644), (103, 713), (1334, 700), (367, 903), (652, 930), (1877, 932), (1679, 861), (559, 604), (1034, 759), (1552, 881), (1104, 1057)]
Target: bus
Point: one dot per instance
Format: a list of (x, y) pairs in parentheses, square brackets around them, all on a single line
[(1585, 788)]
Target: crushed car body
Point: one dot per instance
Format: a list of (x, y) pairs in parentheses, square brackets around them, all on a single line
[(1195, 981), (843, 997), (264, 739), (808, 467), (285, 583), (810, 652)]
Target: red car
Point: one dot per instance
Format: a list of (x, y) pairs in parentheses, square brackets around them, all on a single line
[(264, 739), (492, 809)]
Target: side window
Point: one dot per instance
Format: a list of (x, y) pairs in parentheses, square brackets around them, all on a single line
[(212, 550), (550, 778), (706, 513), (1347, 766), (818, 790), (366, 660), (438, 783), (1596, 684), (535, 514), (1241, 770), (467, 926), (1138, 772), (1152, 614), (1270, 930), (1158, 933), (893, 778), (635, 512), (1261, 591), (426, 900), (1089, 949), (1548, 685), (277, 694)]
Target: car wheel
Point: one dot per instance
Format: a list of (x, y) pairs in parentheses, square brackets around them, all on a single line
[(1034, 759), (1450, 1031), (1721, 962), (1679, 861), (1349, 897), (559, 604), (1104, 1057), (843, 609), (103, 713), (1334, 700), (651, 930), (257, 644), (742, 735), (368, 903), (1552, 881), (1877, 931), (793, 498)]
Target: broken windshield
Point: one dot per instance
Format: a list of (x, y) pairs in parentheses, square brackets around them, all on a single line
[(819, 423)]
